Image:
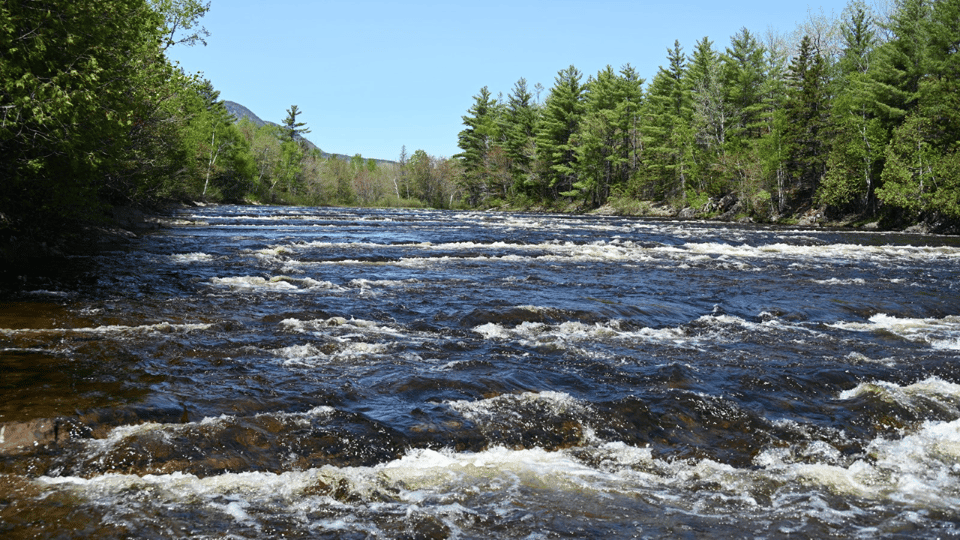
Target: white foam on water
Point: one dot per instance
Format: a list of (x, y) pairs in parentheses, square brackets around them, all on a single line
[(725, 255), (837, 281), (360, 326), (941, 334), (276, 283), (552, 402), (382, 283), (44, 292), (708, 329), (932, 389), (917, 470), (309, 356), (188, 258), (158, 328), (827, 251)]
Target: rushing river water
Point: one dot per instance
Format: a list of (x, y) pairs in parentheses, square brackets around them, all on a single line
[(256, 372)]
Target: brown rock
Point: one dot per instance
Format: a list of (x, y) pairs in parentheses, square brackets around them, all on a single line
[(23, 437)]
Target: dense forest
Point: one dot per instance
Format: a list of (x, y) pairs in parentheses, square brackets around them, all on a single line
[(858, 116)]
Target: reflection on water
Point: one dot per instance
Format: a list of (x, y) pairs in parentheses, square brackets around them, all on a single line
[(338, 373)]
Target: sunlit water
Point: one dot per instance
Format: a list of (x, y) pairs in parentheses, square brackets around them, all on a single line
[(331, 373)]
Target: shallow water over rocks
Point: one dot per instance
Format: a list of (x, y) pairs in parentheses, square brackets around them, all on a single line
[(340, 373)]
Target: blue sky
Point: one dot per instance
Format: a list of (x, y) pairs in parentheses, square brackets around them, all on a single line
[(372, 76)]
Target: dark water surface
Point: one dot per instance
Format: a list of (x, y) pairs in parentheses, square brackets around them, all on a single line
[(338, 373)]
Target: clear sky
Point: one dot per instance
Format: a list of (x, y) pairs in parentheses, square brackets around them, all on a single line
[(372, 76)]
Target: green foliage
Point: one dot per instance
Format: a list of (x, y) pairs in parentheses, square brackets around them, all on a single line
[(93, 115), (607, 142), (559, 124), (918, 177), (181, 19), (293, 130), (855, 116), (75, 89), (807, 112), (744, 77), (519, 125), (668, 129), (709, 120), (478, 142), (854, 163)]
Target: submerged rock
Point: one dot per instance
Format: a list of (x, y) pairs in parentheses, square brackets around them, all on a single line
[(22, 437)]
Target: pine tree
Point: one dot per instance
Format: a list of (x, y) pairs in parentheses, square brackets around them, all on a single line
[(920, 176), (606, 143), (901, 62), (807, 109), (668, 127), (709, 116), (743, 80), (560, 122), (288, 174), (477, 142), (293, 130), (940, 92), (519, 131)]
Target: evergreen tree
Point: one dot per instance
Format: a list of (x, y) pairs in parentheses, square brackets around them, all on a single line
[(668, 126), (772, 147), (920, 176), (910, 174), (940, 91), (562, 113), (901, 62), (743, 80), (605, 153), (477, 143), (293, 130), (288, 175), (806, 113), (519, 131)]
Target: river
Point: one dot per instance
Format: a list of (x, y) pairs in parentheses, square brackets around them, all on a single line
[(263, 372)]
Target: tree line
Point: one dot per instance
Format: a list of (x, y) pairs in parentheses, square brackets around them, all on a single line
[(94, 116), (288, 170), (855, 116)]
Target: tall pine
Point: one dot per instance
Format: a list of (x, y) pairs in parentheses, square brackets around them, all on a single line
[(807, 113), (561, 118), (668, 128), (477, 142)]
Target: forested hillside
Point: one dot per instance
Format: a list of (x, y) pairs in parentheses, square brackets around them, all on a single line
[(856, 116)]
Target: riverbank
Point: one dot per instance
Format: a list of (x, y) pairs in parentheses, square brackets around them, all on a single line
[(729, 210)]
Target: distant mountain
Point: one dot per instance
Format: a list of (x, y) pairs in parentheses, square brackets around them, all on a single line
[(239, 111)]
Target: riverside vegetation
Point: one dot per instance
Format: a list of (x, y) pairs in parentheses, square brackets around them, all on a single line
[(855, 116)]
